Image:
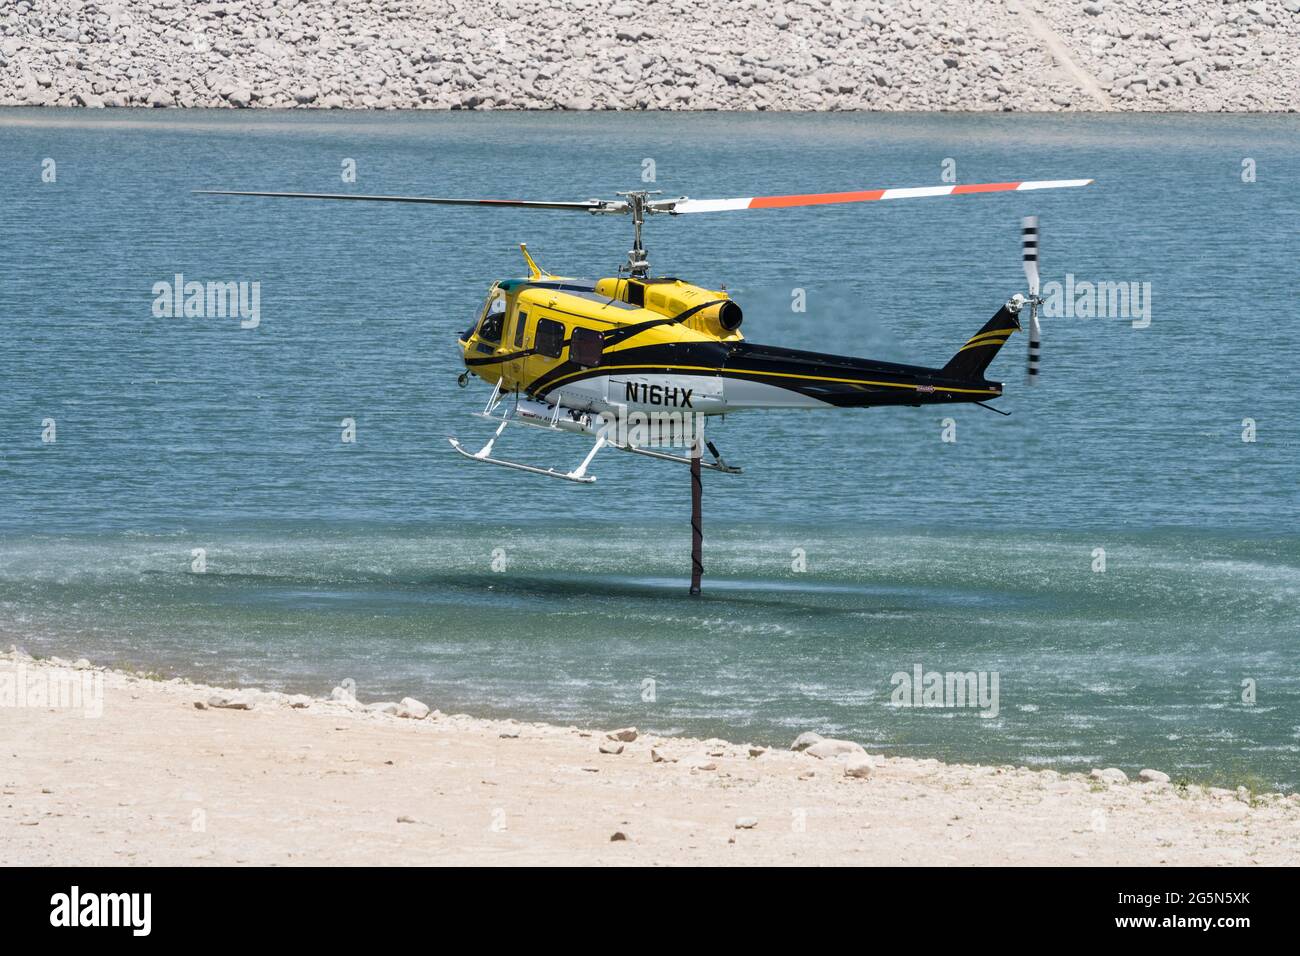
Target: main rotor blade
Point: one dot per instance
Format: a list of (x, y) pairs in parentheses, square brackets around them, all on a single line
[(678, 206), (590, 205)]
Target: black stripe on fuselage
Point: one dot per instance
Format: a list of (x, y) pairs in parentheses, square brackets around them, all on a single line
[(862, 382)]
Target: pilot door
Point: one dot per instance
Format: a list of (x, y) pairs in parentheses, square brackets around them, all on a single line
[(518, 341)]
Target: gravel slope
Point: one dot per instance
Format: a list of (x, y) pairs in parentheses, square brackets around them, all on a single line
[(659, 54)]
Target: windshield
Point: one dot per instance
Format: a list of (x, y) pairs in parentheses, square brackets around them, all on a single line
[(494, 318)]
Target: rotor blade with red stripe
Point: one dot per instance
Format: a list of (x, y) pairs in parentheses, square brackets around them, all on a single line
[(865, 195), (590, 205)]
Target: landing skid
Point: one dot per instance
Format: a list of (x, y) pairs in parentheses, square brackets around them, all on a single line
[(718, 464), (559, 418), (575, 475)]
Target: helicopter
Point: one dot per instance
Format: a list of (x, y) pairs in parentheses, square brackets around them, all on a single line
[(639, 363)]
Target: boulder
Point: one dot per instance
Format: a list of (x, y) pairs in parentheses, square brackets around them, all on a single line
[(859, 767), (806, 740), (412, 709), (1109, 775), (627, 734), (229, 703), (1152, 776), (834, 748), (746, 823), (611, 747)]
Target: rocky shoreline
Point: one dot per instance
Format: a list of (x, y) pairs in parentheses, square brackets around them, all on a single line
[(1027, 55)]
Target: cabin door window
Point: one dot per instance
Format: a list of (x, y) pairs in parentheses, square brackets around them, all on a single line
[(585, 347), (549, 338)]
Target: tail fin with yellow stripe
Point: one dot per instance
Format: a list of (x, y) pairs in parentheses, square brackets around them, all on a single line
[(974, 357)]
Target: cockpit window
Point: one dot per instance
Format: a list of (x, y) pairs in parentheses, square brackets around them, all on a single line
[(494, 319)]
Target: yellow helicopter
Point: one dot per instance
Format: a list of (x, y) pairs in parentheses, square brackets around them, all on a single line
[(639, 363)]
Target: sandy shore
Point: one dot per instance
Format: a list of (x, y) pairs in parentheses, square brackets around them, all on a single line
[(136, 773)]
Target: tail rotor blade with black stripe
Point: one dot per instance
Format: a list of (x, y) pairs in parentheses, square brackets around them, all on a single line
[(1029, 256)]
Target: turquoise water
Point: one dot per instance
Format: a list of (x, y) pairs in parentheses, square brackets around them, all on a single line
[(373, 560)]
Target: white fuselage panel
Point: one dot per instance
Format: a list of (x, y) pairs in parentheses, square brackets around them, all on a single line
[(700, 394)]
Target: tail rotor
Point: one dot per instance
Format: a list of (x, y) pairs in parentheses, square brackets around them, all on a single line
[(1029, 255)]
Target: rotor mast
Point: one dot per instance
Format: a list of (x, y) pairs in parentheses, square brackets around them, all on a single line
[(638, 205)]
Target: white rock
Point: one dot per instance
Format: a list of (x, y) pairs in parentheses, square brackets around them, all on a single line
[(229, 703), (611, 747), (834, 748), (746, 823), (384, 707), (626, 734), (1153, 776), (412, 709), (699, 762), (859, 767), (1109, 775), (806, 740)]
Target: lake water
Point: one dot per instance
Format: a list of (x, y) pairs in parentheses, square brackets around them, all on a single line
[(374, 560)]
